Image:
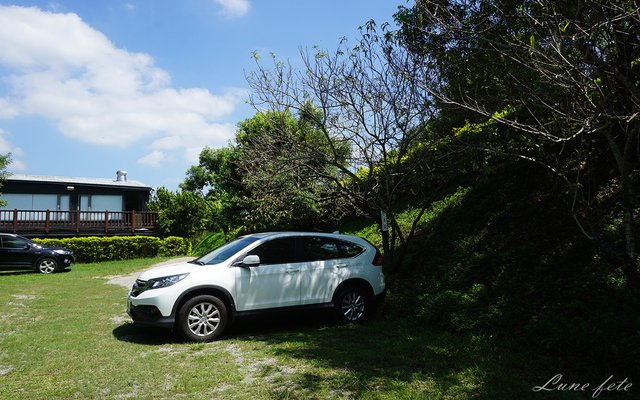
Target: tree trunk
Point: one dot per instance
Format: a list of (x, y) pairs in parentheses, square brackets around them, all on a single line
[(625, 161)]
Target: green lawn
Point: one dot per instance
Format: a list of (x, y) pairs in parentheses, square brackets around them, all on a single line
[(67, 336)]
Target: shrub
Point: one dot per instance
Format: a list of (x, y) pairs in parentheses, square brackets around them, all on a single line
[(174, 246), (110, 248)]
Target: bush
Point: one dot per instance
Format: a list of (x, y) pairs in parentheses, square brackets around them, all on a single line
[(110, 248), (174, 246)]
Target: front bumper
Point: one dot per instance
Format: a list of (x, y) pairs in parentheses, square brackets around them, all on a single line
[(148, 315), (66, 261)]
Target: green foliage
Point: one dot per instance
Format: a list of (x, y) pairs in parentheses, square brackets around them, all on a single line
[(109, 248), (180, 213), (287, 181), (501, 258), (216, 177), (174, 246), (535, 81), (268, 179)]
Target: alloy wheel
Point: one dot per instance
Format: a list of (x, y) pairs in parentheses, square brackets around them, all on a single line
[(203, 319), (353, 306)]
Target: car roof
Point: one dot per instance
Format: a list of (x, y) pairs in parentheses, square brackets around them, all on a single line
[(262, 235)]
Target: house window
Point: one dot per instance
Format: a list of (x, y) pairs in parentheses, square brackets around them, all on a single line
[(94, 202), (18, 201), (37, 203), (21, 201)]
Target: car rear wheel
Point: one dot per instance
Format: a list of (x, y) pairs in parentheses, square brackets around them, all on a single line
[(352, 305), (47, 266), (202, 319)]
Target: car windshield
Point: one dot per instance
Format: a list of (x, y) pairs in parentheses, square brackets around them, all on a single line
[(225, 251)]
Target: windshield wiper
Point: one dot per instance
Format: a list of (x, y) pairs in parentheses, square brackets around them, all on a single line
[(196, 262)]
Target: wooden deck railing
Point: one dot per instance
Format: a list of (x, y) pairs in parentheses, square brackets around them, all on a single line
[(77, 222)]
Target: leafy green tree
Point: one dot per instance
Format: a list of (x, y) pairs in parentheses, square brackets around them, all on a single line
[(289, 186), (259, 183), (216, 177), (552, 82), (181, 213)]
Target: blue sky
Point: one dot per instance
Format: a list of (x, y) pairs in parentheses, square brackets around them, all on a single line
[(90, 87)]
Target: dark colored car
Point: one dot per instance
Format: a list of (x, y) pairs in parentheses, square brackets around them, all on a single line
[(17, 252)]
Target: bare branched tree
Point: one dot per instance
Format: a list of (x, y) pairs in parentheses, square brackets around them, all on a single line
[(357, 101)]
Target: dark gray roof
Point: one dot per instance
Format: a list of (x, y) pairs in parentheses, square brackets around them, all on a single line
[(64, 180)]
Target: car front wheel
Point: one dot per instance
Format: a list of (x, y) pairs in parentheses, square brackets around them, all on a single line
[(352, 305), (47, 266), (202, 318)]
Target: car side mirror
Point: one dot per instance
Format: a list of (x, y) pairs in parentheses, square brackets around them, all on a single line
[(250, 261)]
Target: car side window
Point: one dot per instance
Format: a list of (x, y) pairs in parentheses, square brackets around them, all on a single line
[(316, 248), (276, 251), (13, 243), (348, 249)]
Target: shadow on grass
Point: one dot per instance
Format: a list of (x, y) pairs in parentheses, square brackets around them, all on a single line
[(15, 273), (280, 322), (384, 356), (260, 326), (131, 333), (390, 357), (26, 271)]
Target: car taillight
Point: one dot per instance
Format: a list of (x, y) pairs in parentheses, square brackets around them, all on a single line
[(377, 260)]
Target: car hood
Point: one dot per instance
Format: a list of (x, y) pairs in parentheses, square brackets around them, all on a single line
[(168, 270), (56, 248)]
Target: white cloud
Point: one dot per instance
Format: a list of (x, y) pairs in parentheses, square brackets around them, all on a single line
[(234, 8), (62, 69), (7, 109), (153, 159), (16, 165)]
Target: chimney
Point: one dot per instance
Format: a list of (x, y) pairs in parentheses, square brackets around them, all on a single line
[(121, 176)]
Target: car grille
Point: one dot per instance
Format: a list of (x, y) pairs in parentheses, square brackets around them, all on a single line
[(138, 287)]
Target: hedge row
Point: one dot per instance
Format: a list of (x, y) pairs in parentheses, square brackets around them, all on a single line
[(109, 248)]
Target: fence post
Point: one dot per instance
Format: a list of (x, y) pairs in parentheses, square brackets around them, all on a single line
[(15, 220), (46, 223), (78, 220), (133, 221), (106, 221)]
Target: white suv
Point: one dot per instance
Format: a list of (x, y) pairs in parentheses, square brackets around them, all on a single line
[(260, 272)]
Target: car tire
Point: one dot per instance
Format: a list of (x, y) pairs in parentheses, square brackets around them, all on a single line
[(47, 266), (352, 305), (202, 319)]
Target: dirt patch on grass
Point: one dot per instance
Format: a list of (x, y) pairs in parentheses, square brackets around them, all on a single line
[(5, 369)]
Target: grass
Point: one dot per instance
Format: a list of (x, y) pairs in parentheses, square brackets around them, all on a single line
[(67, 336)]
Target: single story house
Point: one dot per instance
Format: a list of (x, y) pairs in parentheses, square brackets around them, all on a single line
[(54, 204)]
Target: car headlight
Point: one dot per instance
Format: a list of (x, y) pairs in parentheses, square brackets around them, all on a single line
[(165, 281), (61, 252)]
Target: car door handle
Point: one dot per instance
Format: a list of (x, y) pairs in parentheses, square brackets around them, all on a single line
[(291, 270), (341, 265)]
